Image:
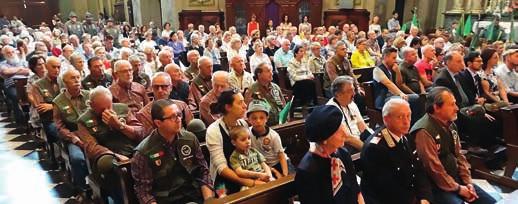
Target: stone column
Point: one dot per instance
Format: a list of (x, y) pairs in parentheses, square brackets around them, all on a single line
[(458, 6), (137, 16), (126, 12), (476, 6), (168, 14)]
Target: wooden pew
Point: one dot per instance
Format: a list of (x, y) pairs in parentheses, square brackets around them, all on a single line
[(510, 126), (224, 61), (284, 80), (278, 191), (363, 74), (375, 116), (293, 138)]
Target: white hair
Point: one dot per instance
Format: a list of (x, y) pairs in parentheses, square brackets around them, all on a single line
[(407, 50), (426, 48), (161, 74), (100, 91), (204, 58), (119, 63), (125, 50), (191, 52), (390, 105), (163, 52), (134, 58)]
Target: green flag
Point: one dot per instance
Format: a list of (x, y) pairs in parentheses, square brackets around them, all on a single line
[(414, 21), (460, 26), (468, 26), (403, 28), (283, 115)]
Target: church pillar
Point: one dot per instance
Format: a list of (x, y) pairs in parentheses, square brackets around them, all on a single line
[(137, 16), (168, 14), (458, 6), (476, 6)]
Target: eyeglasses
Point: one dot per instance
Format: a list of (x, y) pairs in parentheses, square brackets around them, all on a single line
[(176, 117)]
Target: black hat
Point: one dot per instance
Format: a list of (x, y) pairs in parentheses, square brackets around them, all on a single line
[(323, 122)]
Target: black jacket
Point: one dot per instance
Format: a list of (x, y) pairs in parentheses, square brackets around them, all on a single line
[(468, 85), (392, 174), (444, 78)]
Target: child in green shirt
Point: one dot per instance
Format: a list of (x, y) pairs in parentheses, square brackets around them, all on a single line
[(246, 161)]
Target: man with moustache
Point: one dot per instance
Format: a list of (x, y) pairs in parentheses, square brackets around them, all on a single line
[(68, 105), (97, 76)]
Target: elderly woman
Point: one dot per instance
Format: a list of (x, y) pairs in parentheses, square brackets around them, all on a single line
[(258, 57), (235, 49), (361, 57), (232, 106), (212, 53), (326, 173), (316, 60), (301, 79)]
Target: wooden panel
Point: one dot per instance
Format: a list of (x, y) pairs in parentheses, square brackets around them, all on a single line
[(33, 12), (288, 7), (198, 17), (360, 17)]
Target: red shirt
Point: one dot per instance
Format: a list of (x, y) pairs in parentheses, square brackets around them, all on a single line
[(424, 68), (252, 25)]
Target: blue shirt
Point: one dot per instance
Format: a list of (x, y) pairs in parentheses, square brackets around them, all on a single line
[(282, 58)]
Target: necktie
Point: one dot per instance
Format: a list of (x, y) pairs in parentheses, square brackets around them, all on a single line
[(463, 95), (477, 84), (336, 174)]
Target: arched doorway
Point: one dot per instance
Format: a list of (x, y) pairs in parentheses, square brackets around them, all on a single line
[(272, 13)]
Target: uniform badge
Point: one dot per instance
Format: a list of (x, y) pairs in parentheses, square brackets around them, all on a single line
[(455, 136), (94, 129), (185, 150), (438, 143), (46, 93), (158, 162), (122, 120), (67, 109), (266, 141), (375, 140)]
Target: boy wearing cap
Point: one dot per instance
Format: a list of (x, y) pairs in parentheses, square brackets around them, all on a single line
[(266, 140), (326, 174)]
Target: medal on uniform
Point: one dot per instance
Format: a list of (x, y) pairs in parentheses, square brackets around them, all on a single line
[(46, 93), (67, 109), (185, 150), (438, 142), (455, 136), (122, 120), (94, 129)]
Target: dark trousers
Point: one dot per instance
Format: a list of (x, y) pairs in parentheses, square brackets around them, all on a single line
[(304, 92), (480, 130), (12, 99), (444, 197)]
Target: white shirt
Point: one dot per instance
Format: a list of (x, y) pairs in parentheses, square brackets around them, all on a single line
[(255, 60), (242, 82), (214, 141), (351, 116)]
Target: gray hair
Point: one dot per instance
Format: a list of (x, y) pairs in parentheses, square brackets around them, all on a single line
[(119, 63), (161, 74), (407, 50), (163, 52), (172, 66), (339, 83), (74, 57), (191, 52), (99, 91), (390, 105), (222, 74), (134, 58), (204, 58), (426, 48)]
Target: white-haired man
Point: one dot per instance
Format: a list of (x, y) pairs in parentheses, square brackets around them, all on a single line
[(126, 91), (202, 84), (239, 78), (11, 67)]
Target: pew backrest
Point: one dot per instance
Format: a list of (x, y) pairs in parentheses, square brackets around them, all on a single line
[(363, 74)]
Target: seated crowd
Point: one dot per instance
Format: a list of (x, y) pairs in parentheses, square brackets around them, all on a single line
[(111, 94)]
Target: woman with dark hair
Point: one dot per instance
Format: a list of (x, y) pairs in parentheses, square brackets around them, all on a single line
[(126, 30), (231, 105), (416, 44), (305, 25), (37, 67), (252, 25), (492, 87), (269, 27), (166, 29), (285, 24), (301, 79)]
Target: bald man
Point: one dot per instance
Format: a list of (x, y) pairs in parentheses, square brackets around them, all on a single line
[(42, 93), (220, 82), (126, 91), (161, 86), (202, 84), (180, 88), (68, 105)]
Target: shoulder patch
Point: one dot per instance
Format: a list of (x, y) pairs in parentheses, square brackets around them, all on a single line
[(375, 140), (388, 138)]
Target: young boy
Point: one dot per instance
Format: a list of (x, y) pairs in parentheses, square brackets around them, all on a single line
[(266, 140), (246, 161)]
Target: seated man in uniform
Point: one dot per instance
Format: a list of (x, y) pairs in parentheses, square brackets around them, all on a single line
[(161, 86), (42, 93), (138, 75), (180, 88), (386, 76), (176, 152), (264, 89), (108, 128), (391, 172), (68, 105), (126, 91), (97, 76), (437, 142), (192, 71), (220, 82), (202, 83)]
